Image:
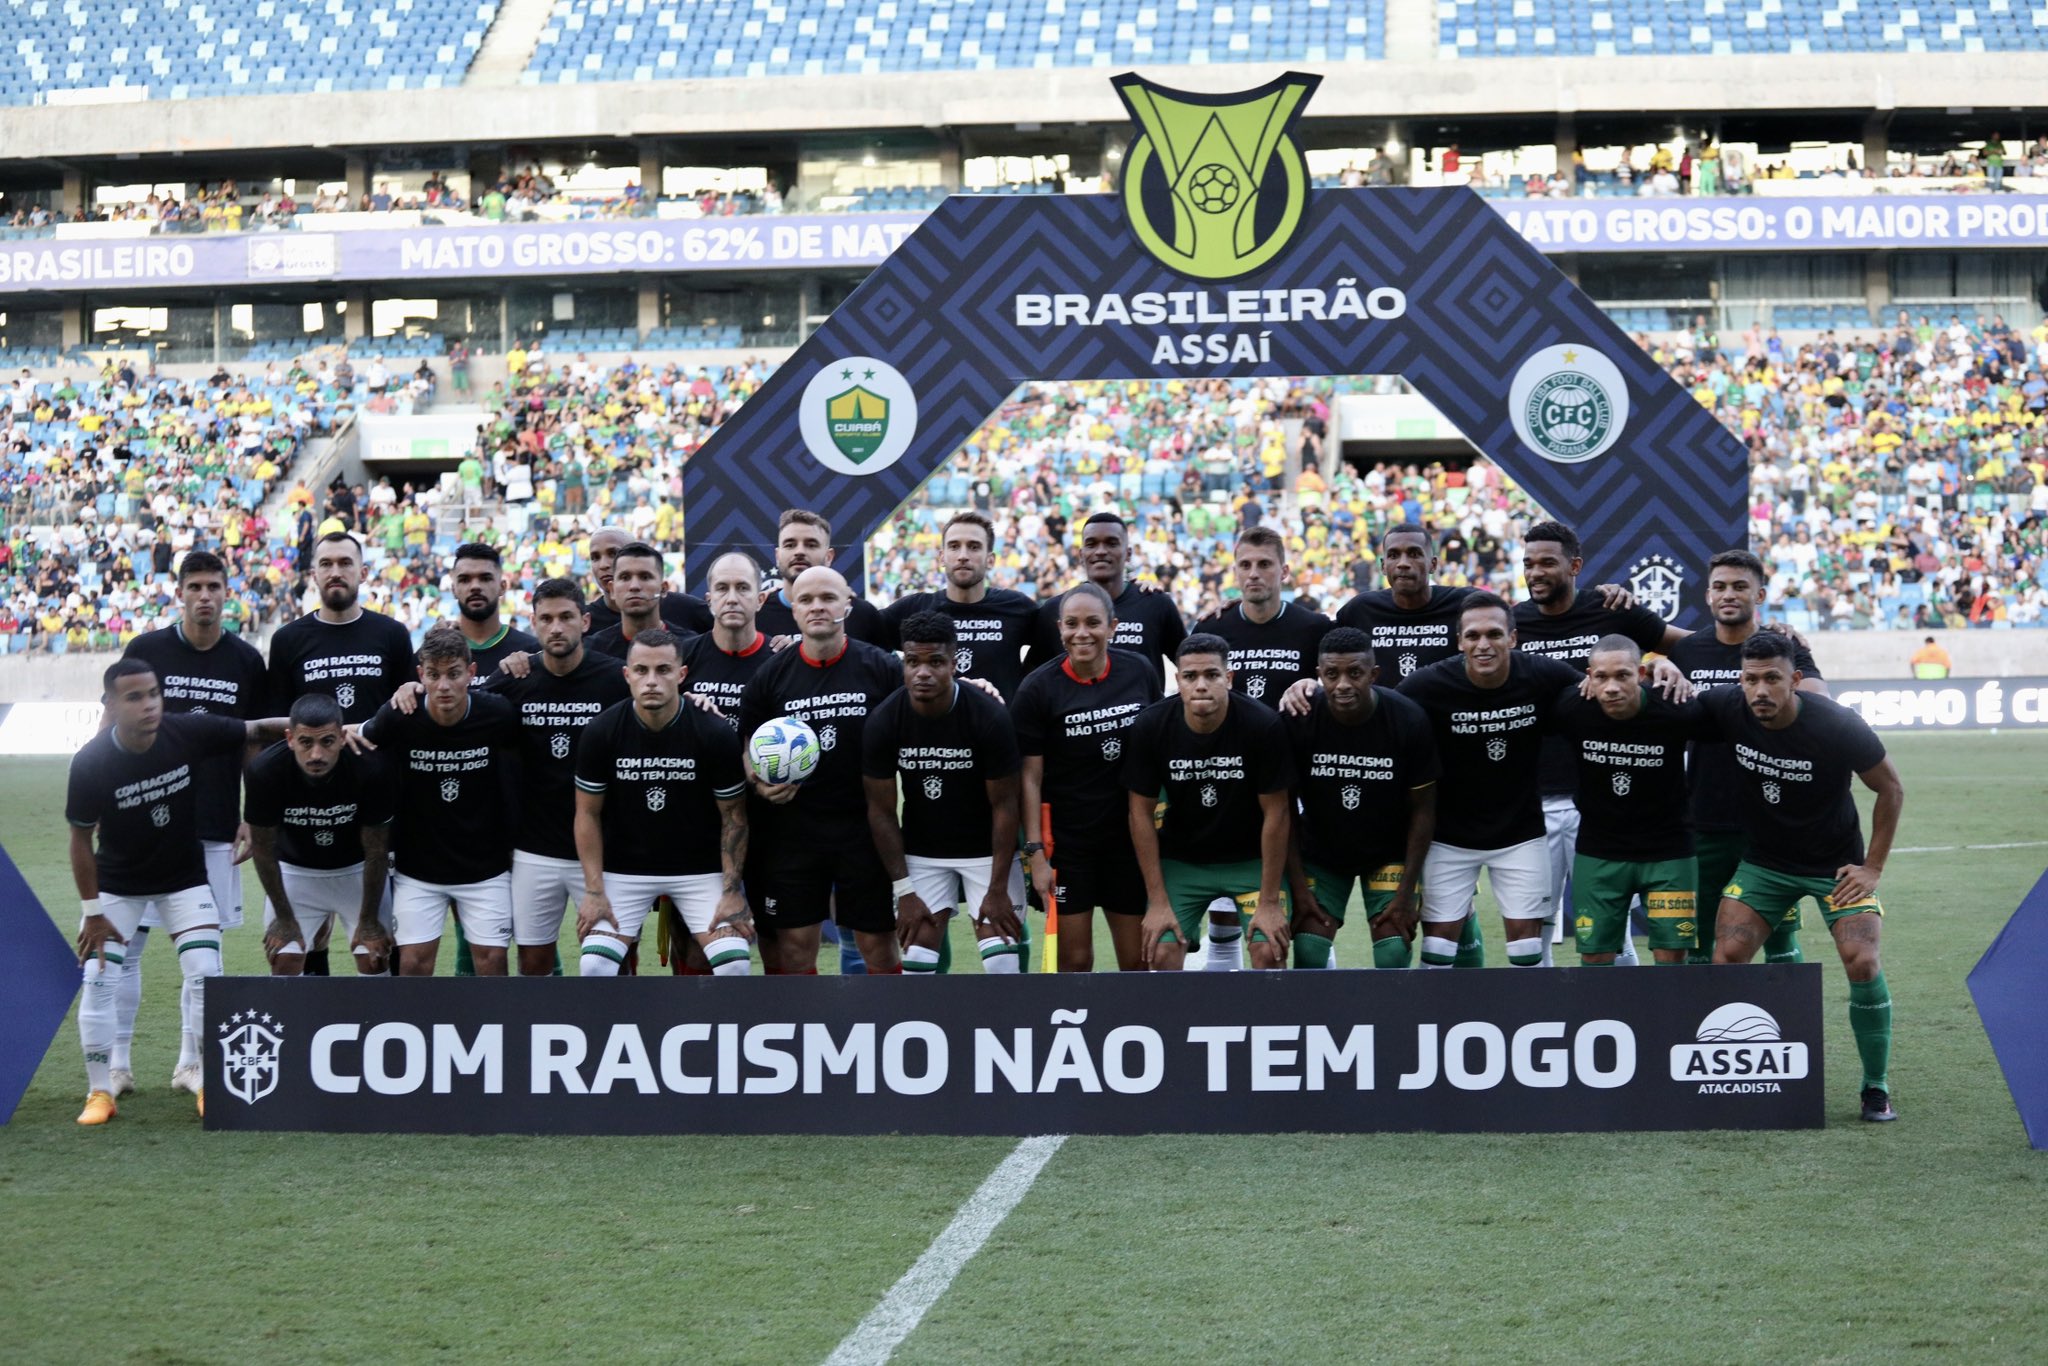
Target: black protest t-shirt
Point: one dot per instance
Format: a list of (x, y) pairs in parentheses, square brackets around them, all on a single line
[(1709, 663), (684, 612), (489, 655), (1080, 730), (614, 643), (1489, 741), (722, 675), (319, 824), (661, 788), (1405, 642), (1355, 782), (359, 663), (1147, 624), (147, 805), (1211, 783), (1795, 785), (946, 763), (993, 633), (229, 679), (1631, 776), (1268, 659), (835, 699), (1569, 638), (455, 806), (777, 618), (553, 710)]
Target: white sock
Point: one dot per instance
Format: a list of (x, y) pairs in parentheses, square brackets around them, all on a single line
[(192, 1011), (1226, 951), (920, 962), (1547, 961), (128, 1000), (1527, 953), (101, 984), (198, 959), (602, 957), (728, 956), (1001, 955), (1438, 952)]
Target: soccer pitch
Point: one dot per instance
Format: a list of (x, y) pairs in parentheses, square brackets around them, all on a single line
[(150, 1240)]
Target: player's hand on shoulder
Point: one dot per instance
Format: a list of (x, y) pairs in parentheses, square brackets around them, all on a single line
[(702, 701), (406, 699), (1300, 697), (354, 738), (982, 683), (777, 644), (1670, 680), (1615, 598), (518, 664)]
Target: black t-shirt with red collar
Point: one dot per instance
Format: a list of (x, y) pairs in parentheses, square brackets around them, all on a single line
[(834, 697), (722, 675), (1079, 729)]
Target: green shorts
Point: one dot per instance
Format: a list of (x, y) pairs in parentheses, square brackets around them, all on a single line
[(1332, 891), (1603, 889), (1775, 896), (1718, 852), (1190, 887)]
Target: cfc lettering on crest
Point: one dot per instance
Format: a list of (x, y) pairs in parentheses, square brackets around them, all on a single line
[(963, 659), (345, 696), (1772, 793), (1496, 749), (1352, 796), (558, 744), (1658, 583), (1620, 781), (828, 737), (1112, 749), (160, 815), (657, 797), (1255, 687), (1209, 797), (249, 1055), (1568, 403), (934, 787), (451, 788)]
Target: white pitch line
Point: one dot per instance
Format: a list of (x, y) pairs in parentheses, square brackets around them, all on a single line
[(1952, 848), (875, 1338)]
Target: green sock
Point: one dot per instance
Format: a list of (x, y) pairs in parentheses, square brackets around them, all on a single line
[(1391, 952), (946, 949), (1313, 951), (1783, 945), (1472, 948), (1870, 1019), (465, 966)]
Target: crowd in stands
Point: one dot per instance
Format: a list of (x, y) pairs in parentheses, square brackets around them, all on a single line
[(1899, 479)]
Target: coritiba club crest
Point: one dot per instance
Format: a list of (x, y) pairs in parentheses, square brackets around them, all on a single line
[(1214, 185)]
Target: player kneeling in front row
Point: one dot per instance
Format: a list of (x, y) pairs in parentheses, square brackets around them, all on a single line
[(654, 779), (320, 821), (957, 839), (1221, 764), (1795, 754), (1365, 771)]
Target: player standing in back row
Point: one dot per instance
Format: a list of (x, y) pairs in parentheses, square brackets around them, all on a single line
[(1147, 622), (994, 624)]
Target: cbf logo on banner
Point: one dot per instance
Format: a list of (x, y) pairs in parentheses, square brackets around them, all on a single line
[(1215, 258)]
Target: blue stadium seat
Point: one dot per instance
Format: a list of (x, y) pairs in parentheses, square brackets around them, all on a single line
[(1523, 28)]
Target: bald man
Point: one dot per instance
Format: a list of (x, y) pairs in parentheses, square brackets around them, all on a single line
[(679, 611)]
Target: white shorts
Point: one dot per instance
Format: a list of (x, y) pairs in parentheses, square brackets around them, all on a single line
[(179, 911), (542, 889), (1519, 875), (225, 880), (317, 893), (944, 884), (633, 895), (1561, 841), (419, 910)]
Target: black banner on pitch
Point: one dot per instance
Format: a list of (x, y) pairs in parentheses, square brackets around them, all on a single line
[(1574, 1049)]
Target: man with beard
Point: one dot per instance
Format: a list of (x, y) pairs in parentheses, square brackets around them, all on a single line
[(479, 581), (679, 611), (1272, 641), (994, 625), (636, 587), (803, 540), (1148, 624)]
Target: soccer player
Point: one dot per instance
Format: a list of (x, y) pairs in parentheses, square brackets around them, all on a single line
[(1272, 641), (1795, 753), (1629, 748), (135, 786), (357, 657), (320, 820), (1561, 623), (555, 703), (680, 612), (994, 624), (1147, 622), (1709, 660), (1488, 708), (803, 541), (479, 580), (660, 812), (636, 588), (1365, 773), (1412, 622), (824, 854), (201, 668), (453, 836), (957, 838), (1073, 722), (1220, 763)]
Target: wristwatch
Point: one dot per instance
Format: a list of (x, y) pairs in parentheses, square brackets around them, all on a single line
[(1034, 846)]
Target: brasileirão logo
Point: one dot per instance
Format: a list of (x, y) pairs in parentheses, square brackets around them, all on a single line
[(1217, 155)]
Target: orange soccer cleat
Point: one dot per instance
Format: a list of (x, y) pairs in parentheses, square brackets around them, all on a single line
[(99, 1108)]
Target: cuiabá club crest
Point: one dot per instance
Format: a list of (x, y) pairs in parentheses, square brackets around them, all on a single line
[(1214, 186)]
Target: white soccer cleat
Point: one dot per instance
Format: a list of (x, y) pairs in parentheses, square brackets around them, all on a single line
[(122, 1081), (189, 1077)]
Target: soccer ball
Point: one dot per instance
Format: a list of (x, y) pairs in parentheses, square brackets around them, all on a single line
[(785, 750), (1213, 188)]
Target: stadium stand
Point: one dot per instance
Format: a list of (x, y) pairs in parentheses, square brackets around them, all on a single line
[(188, 49), (1635, 28), (630, 40)]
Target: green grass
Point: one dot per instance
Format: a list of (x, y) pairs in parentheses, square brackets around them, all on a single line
[(153, 1241)]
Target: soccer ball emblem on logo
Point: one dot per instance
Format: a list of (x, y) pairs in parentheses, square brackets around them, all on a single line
[(1213, 188), (1208, 794), (451, 788), (963, 659), (934, 788), (345, 696), (1620, 784), (159, 815), (558, 744), (657, 798), (1112, 749), (1496, 750), (323, 838), (1772, 792), (1255, 686), (1352, 796), (828, 738)]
